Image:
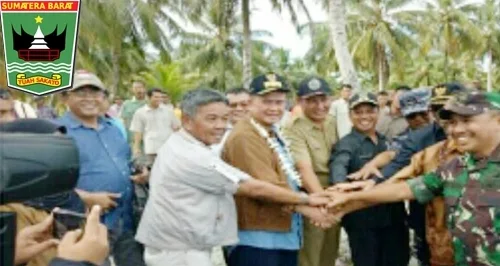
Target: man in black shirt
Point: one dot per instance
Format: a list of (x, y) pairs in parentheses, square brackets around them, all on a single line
[(378, 235)]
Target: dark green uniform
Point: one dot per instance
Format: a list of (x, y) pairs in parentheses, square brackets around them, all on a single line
[(471, 188)]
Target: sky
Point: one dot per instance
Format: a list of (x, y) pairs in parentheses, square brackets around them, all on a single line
[(280, 25), (284, 33)]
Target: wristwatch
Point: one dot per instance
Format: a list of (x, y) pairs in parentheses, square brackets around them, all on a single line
[(304, 198)]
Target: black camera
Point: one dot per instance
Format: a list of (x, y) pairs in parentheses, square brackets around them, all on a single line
[(32, 166)]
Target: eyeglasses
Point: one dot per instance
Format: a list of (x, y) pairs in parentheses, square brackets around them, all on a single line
[(88, 93)]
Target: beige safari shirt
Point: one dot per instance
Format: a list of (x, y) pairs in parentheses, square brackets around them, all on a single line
[(309, 142)]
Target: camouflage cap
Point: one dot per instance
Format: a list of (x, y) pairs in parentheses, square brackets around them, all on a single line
[(84, 78), (360, 98), (267, 83), (313, 86), (415, 101), (471, 104), (443, 92)]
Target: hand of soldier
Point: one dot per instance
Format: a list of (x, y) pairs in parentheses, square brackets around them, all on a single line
[(366, 172)]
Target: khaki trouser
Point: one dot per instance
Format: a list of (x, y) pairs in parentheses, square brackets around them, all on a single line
[(320, 246)]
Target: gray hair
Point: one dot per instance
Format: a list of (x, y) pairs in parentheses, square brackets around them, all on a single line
[(200, 97)]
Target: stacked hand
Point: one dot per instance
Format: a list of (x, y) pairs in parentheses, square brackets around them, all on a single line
[(365, 173)]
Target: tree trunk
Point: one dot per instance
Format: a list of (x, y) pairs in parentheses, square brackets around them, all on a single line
[(338, 24), (380, 62), (115, 61), (489, 82), (247, 44)]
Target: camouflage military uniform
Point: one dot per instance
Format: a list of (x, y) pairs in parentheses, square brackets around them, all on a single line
[(472, 194), (471, 188)]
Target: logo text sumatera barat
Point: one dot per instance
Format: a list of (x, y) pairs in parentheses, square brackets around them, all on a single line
[(40, 44)]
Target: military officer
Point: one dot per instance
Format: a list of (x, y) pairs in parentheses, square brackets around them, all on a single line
[(469, 183), (311, 136)]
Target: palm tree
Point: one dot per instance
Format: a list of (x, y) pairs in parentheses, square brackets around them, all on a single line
[(170, 78), (338, 25), (445, 24), (112, 31), (381, 39), (490, 30)]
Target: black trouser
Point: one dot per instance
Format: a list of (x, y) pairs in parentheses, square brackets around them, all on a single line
[(251, 256), (416, 220), (126, 251), (386, 246)]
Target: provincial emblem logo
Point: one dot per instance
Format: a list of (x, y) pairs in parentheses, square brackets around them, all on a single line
[(39, 39)]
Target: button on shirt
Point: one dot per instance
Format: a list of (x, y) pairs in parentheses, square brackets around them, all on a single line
[(156, 124), (104, 165), (191, 204), (349, 155)]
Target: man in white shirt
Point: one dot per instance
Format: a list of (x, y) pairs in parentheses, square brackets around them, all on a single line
[(340, 110), (239, 99), (153, 124), (191, 207)]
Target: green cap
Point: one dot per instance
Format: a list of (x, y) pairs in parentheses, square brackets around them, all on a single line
[(471, 104)]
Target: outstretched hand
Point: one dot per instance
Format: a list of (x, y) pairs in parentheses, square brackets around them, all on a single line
[(365, 173)]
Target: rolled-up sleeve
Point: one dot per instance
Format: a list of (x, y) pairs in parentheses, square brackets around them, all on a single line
[(339, 162), (426, 187), (215, 176)]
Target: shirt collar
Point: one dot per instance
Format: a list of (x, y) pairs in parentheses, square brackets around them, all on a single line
[(190, 138), (74, 122), (315, 125), (362, 136)]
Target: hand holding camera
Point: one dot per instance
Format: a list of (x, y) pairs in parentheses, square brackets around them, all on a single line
[(90, 244), (33, 240)]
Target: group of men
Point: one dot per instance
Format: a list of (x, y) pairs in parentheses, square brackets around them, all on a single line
[(228, 175), (191, 206)]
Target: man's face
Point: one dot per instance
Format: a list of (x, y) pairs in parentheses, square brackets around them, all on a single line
[(382, 100), (138, 90), (6, 110), (316, 107), (209, 123), (418, 120), (269, 108), (472, 133), (156, 99), (85, 102), (345, 93), (239, 106), (364, 117), (165, 99), (119, 101), (395, 105)]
